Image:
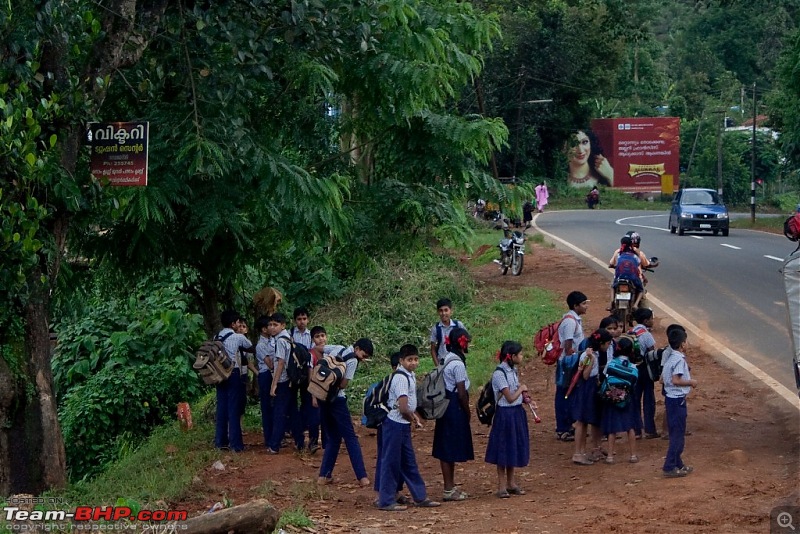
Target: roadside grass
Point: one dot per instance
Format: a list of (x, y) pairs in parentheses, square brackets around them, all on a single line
[(296, 517), (610, 199), (773, 225)]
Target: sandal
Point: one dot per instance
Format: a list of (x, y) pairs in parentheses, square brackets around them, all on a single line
[(454, 495), (394, 507), (427, 503), (634, 459), (402, 499), (502, 494), (565, 436), (597, 455), (516, 490), (610, 459)]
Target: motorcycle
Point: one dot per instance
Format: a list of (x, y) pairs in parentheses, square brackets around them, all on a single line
[(512, 250), (627, 298)]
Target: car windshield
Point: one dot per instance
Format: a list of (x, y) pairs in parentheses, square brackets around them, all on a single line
[(705, 198)]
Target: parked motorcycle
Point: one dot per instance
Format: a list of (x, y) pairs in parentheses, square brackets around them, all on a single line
[(512, 250)]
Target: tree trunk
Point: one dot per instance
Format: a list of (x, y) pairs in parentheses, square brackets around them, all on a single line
[(40, 464)]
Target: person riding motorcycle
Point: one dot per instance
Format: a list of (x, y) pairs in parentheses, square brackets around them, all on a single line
[(627, 265), (636, 241)]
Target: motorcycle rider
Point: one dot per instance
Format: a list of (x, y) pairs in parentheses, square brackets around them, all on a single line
[(627, 265)]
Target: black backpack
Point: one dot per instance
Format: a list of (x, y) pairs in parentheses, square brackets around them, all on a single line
[(376, 402), (487, 402), (298, 364)]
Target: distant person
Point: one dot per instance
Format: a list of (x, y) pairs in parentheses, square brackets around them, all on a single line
[(570, 332), (228, 431), (541, 196), (527, 213), (593, 198), (441, 330), (587, 164)]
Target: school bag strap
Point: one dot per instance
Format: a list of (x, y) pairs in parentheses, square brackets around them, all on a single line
[(440, 332), (500, 368)]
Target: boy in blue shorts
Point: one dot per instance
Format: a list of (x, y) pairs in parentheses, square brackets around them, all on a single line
[(677, 385)]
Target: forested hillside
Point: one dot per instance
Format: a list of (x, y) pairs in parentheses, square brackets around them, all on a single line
[(292, 143)]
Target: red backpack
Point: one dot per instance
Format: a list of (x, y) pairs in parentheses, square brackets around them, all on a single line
[(547, 342), (791, 227)]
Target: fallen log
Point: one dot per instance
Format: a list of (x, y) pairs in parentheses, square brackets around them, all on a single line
[(254, 517)]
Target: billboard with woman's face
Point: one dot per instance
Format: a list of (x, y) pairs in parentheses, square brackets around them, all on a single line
[(638, 154)]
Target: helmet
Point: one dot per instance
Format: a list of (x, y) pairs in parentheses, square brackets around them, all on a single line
[(636, 239)]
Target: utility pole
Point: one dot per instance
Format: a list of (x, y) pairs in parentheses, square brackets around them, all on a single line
[(753, 162), (721, 113)]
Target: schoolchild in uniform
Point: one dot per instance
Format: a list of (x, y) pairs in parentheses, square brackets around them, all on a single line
[(452, 437), (584, 405), (319, 339), (265, 351), (398, 463), (246, 366), (441, 330), (664, 356), (394, 360), (228, 431), (279, 390), (509, 442), (644, 396), (335, 416), (678, 383), (570, 332), (620, 420), (302, 414)]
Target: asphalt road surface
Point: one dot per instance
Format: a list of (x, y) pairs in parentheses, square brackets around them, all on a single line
[(730, 287)]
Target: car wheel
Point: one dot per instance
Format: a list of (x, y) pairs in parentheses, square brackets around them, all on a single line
[(716, 232), (725, 232), (672, 229), (681, 231)]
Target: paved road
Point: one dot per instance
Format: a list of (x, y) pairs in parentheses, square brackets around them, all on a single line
[(730, 287)]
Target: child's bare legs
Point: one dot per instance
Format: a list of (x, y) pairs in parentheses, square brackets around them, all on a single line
[(448, 474), (580, 437), (510, 482), (612, 441), (632, 444), (597, 436), (504, 478)]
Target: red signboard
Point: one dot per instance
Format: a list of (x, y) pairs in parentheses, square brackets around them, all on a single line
[(641, 150), (119, 152)]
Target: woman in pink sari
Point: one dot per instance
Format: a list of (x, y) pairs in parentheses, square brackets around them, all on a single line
[(541, 196)]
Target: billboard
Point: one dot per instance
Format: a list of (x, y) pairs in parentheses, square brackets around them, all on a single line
[(119, 152), (641, 152)]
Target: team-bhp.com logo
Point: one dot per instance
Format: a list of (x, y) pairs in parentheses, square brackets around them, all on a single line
[(15, 514)]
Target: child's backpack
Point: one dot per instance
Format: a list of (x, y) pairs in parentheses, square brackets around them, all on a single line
[(791, 227), (547, 342), (326, 377), (487, 401), (440, 333), (211, 361), (376, 401), (298, 363), (617, 387), (566, 368), (432, 398), (634, 334), (653, 364)]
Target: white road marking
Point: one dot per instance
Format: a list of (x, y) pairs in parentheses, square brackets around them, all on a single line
[(773, 257), (621, 222), (696, 236), (777, 387), (730, 246)]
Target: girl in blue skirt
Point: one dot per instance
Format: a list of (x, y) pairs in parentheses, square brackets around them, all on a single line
[(452, 438), (584, 406), (509, 444), (620, 418)]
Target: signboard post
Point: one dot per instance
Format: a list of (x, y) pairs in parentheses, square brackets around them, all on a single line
[(119, 152)]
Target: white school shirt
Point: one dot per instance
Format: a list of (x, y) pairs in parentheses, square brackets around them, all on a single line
[(595, 363), (264, 351), (501, 380), (404, 384), (442, 352), (302, 338), (454, 372), (675, 365), (282, 351), (570, 329), (233, 343)]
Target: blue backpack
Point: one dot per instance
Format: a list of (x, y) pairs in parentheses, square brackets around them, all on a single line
[(617, 387)]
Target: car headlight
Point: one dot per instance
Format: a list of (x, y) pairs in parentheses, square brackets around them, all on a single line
[(685, 215), (722, 215)]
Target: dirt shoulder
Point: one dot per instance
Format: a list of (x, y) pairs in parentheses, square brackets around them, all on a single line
[(744, 447)]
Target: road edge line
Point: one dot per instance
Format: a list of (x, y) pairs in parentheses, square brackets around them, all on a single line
[(731, 355)]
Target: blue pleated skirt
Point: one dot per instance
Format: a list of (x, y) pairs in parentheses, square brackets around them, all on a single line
[(452, 437), (509, 443), (617, 419), (584, 406)]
